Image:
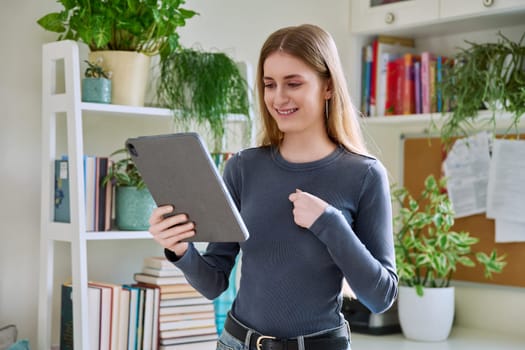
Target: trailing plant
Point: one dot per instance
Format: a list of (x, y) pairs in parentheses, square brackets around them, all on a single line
[(146, 26), (204, 87), (123, 172), (488, 75), (427, 249)]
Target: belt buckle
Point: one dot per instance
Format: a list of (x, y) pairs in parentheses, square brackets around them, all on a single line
[(258, 343)]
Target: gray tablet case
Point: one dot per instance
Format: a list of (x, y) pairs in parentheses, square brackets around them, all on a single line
[(178, 170)]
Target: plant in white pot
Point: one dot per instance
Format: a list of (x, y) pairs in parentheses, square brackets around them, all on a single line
[(125, 32), (133, 201), (427, 254)]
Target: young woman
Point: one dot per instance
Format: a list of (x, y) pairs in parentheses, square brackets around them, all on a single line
[(317, 207)]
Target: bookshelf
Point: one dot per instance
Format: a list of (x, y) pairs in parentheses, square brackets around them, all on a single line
[(438, 26), (62, 70)]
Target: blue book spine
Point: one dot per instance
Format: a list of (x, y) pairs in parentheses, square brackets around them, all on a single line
[(62, 210), (439, 78)]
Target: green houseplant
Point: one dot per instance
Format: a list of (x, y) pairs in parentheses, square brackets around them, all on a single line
[(204, 87), (487, 75), (126, 33), (147, 26), (96, 85), (133, 201), (428, 252)]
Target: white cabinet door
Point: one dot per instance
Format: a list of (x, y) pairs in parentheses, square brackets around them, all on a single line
[(383, 15), (468, 8)]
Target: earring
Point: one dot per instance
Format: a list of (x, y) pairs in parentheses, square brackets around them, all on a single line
[(326, 109)]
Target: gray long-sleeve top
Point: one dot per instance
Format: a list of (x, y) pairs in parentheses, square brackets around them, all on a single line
[(291, 276)]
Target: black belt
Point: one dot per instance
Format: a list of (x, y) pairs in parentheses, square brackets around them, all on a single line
[(331, 340)]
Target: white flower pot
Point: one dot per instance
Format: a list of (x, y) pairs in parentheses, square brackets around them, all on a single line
[(129, 75), (426, 318)]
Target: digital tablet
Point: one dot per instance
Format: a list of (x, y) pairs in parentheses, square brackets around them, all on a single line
[(178, 170)]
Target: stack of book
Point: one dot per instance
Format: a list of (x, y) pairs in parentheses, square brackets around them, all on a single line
[(186, 319)]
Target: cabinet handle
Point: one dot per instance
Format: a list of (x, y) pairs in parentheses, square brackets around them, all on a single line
[(389, 18), (488, 3)]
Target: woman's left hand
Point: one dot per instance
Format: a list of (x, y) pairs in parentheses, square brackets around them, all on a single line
[(306, 208)]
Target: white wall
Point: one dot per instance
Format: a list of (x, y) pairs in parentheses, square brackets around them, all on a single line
[(235, 26)]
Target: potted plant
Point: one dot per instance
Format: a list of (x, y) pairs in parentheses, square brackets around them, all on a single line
[(487, 75), (96, 85), (133, 201), (125, 32), (204, 87), (427, 254)]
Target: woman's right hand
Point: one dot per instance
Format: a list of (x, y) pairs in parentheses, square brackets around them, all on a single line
[(170, 231)]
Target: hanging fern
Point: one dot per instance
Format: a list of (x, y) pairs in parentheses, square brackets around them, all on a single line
[(203, 87)]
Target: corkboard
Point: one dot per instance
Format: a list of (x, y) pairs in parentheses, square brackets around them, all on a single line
[(422, 157)]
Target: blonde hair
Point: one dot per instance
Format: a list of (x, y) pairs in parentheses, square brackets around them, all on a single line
[(317, 49)]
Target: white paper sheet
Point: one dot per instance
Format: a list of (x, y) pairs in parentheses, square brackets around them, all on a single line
[(509, 231), (467, 169), (506, 186)]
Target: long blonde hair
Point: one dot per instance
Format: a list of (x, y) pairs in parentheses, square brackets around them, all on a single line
[(316, 48)]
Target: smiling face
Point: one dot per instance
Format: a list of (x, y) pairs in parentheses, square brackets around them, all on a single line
[(294, 94)]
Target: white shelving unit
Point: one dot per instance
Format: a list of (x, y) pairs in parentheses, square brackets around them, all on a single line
[(68, 102), (61, 96)]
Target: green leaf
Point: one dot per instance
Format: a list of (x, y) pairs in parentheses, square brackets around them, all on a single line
[(52, 22)]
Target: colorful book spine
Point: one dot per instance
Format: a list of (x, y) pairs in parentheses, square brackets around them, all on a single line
[(426, 59), (62, 207), (417, 87), (409, 84)]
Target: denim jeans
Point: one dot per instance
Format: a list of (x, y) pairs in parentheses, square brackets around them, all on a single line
[(228, 342)]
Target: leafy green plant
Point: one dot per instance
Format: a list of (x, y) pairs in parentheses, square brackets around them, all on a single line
[(427, 249), (203, 87), (95, 70), (123, 172), (146, 26), (490, 75)]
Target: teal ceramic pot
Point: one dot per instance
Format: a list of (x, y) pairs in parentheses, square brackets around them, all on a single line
[(133, 208), (96, 90)]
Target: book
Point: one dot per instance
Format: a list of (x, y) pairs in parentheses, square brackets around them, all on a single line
[(426, 59), (432, 85), (141, 277), (133, 316), (186, 309), (391, 87), (66, 317), (124, 316), (385, 89), (185, 301), (417, 87), (189, 323), (384, 44), (147, 327), (179, 295), (159, 263), (409, 106), (186, 316), (101, 193), (109, 313), (185, 332), (161, 272), (367, 68), (90, 185), (62, 206), (176, 288), (206, 342)]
